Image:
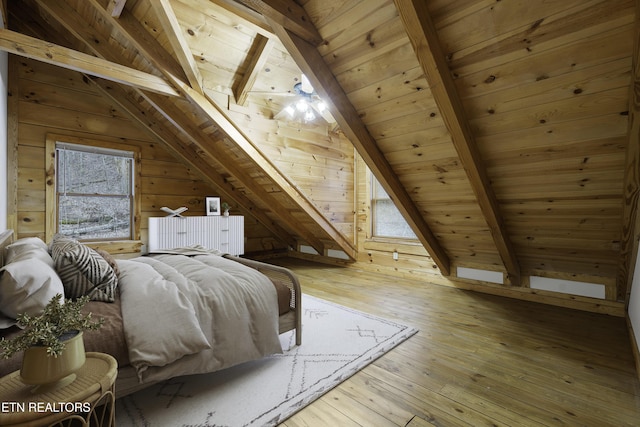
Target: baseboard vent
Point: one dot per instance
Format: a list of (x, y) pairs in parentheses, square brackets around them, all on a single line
[(585, 289), (334, 253), (482, 275), (306, 249)]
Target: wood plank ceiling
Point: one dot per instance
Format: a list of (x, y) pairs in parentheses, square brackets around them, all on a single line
[(500, 129)]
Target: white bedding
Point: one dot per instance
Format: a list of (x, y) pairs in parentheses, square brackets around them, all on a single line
[(195, 314)]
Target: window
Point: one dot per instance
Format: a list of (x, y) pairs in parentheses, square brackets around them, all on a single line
[(386, 218), (94, 197)]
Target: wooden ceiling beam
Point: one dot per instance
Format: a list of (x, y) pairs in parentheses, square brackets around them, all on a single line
[(630, 232), (324, 82), (181, 49), (249, 17), (33, 48), (287, 14), (94, 42), (261, 49), (424, 39), (140, 38)]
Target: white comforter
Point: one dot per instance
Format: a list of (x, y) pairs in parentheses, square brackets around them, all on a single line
[(194, 314)]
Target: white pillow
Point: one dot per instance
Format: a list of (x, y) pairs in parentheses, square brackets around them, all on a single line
[(29, 252), (26, 286), (31, 241), (30, 246)]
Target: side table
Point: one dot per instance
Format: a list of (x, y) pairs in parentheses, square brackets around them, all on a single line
[(87, 401)]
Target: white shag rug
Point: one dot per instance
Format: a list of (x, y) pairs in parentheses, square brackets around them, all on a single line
[(336, 342)]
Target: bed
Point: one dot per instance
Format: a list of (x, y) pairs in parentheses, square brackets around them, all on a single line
[(178, 312)]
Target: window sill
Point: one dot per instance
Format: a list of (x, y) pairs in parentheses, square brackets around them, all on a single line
[(394, 240), (118, 246)]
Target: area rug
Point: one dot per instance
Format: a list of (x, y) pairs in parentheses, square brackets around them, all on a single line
[(336, 342)]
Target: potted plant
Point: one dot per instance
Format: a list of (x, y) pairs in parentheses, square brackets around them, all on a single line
[(52, 342), (225, 208)]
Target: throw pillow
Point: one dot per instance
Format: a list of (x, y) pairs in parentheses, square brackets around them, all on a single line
[(82, 270), (111, 260)]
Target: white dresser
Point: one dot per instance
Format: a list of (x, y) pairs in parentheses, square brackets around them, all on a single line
[(224, 233)]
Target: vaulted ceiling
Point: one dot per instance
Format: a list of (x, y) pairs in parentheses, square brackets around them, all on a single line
[(505, 132)]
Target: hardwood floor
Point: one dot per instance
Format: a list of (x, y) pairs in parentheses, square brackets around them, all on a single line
[(478, 360)]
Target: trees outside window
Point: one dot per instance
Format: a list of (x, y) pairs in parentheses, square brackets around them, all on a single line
[(93, 196)]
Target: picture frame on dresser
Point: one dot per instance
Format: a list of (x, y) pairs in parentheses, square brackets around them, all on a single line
[(212, 206)]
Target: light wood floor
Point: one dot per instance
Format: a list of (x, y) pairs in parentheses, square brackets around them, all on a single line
[(478, 360)]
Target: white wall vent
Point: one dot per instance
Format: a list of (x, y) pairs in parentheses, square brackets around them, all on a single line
[(334, 253), (593, 290), (477, 274), (306, 249)]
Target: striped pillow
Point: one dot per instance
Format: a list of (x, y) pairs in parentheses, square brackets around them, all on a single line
[(82, 270)]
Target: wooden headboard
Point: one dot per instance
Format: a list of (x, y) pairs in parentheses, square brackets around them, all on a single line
[(6, 237)]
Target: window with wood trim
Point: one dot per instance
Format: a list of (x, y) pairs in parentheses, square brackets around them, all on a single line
[(93, 193), (386, 219)]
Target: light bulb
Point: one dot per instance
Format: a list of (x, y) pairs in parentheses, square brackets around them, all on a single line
[(309, 116), (290, 110), (302, 105)]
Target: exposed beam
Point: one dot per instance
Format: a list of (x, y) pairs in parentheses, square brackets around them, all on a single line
[(288, 14), (423, 37), (249, 17), (324, 82), (261, 48), (93, 41), (631, 196), (140, 38), (173, 31), (33, 48)]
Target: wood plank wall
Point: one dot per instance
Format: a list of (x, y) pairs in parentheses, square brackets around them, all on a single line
[(53, 100), (315, 159)]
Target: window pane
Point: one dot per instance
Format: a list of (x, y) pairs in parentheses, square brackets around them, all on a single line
[(94, 217), (94, 192), (387, 220), (91, 173)]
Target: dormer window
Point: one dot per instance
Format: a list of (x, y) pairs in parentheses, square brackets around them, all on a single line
[(387, 221)]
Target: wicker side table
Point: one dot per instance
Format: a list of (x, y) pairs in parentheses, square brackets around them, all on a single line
[(87, 401)]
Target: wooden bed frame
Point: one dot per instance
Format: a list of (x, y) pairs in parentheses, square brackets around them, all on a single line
[(293, 319)]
